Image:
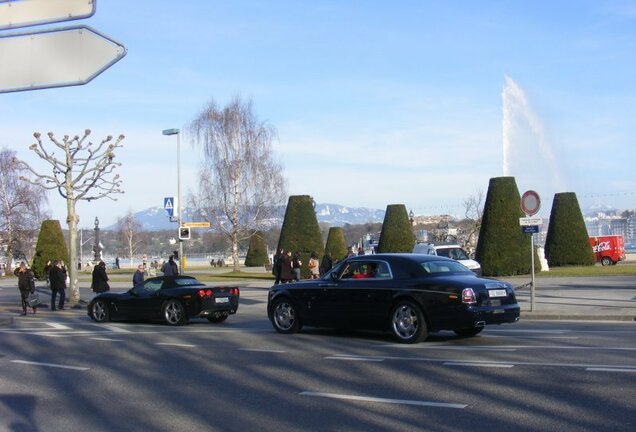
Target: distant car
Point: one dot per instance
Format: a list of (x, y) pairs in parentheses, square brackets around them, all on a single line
[(173, 299), (407, 294), (452, 251)]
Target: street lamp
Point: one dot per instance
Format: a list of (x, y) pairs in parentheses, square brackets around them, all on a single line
[(177, 133)]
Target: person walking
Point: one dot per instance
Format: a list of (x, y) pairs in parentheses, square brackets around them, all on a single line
[(296, 265), (117, 262), (170, 268), (278, 265), (138, 277), (99, 282), (26, 285), (326, 263), (314, 269), (58, 284)]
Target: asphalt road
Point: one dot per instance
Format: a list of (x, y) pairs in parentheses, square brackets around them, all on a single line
[(61, 371)]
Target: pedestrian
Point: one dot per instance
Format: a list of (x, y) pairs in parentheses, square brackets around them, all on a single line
[(170, 268), (296, 265), (99, 281), (26, 285), (278, 264), (117, 262), (350, 252), (138, 277), (360, 251), (326, 263), (314, 269), (58, 284), (286, 270), (47, 269)]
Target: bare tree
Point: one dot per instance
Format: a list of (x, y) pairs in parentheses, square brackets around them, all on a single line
[(473, 210), (129, 228), (83, 172), (240, 182), (20, 206)]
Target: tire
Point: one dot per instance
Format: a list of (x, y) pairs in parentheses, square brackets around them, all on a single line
[(407, 322), (285, 317), (173, 313), (217, 319), (100, 311), (606, 261), (468, 332)]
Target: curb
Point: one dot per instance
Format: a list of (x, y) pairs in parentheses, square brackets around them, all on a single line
[(569, 317)]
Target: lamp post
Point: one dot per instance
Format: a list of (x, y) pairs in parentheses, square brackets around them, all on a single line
[(177, 133)]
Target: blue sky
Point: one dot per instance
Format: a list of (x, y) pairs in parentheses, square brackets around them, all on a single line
[(375, 103)]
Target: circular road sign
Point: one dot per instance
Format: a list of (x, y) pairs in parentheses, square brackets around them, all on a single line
[(530, 203)]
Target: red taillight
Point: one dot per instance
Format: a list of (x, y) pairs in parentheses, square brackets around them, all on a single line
[(468, 296), (234, 291), (209, 293), (202, 293)]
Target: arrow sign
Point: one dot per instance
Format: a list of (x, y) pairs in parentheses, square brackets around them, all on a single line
[(14, 14), (168, 205), (55, 58)]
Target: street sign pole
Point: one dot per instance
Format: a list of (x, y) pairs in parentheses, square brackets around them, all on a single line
[(532, 280), (530, 205)]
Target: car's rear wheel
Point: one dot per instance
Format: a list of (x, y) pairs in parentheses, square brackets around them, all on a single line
[(407, 322), (605, 261), (285, 318), (468, 332), (217, 319), (173, 313), (100, 311)]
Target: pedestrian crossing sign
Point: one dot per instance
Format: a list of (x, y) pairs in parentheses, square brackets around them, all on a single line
[(168, 205)]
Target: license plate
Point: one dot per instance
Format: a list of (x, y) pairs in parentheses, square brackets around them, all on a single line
[(222, 300), (497, 293)]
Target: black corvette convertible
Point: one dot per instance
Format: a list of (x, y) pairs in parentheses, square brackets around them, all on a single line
[(408, 294), (174, 299)]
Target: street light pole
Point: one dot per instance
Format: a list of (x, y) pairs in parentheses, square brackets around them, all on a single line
[(178, 134)]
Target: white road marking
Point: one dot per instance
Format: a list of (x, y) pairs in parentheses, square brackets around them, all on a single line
[(262, 350), (612, 369), (176, 344), (57, 326), (354, 358), (115, 329), (50, 365), (106, 339), (493, 365), (384, 400)]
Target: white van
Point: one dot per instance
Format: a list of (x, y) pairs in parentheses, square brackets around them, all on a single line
[(452, 251)]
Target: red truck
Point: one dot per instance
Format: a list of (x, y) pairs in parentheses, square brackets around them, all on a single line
[(608, 249)]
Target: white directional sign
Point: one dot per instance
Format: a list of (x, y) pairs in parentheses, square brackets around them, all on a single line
[(24, 13), (527, 221), (55, 58)]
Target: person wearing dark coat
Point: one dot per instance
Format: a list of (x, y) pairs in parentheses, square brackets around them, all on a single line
[(296, 265), (138, 277), (326, 263), (57, 276), (99, 282), (26, 285), (286, 270), (278, 264), (170, 268)]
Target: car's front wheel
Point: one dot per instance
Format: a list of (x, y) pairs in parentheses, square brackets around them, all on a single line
[(468, 332), (606, 261), (100, 311), (407, 322), (285, 318), (173, 313)]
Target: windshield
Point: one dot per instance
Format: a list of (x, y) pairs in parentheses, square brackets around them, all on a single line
[(455, 253), (440, 267)]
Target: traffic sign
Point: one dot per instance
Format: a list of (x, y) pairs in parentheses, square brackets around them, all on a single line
[(530, 229), (197, 224), (168, 205), (184, 233), (55, 58), (530, 203), (16, 14), (528, 221)]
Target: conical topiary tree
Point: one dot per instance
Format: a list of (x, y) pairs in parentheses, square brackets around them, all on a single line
[(257, 251), (503, 249), (300, 231), (567, 242), (49, 247), (397, 232), (336, 244)]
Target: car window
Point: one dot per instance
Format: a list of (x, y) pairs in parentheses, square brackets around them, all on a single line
[(365, 270), (152, 285), (186, 281), (440, 267)]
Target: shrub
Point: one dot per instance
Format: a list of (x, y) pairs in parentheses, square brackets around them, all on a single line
[(336, 244), (257, 251), (50, 246), (397, 232)]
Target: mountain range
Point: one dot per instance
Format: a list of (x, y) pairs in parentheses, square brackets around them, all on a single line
[(156, 218)]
